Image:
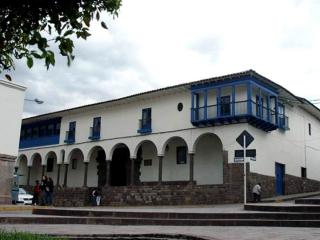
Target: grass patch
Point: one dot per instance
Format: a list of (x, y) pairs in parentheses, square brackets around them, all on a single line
[(14, 235)]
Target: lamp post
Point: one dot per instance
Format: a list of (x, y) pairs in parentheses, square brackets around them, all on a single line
[(36, 100)]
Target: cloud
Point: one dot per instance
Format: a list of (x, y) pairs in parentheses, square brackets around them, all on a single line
[(161, 43)]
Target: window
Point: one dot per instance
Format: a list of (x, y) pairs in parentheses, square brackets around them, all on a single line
[(22, 134), (72, 130), (57, 129), (303, 172), (42, 131), (147, 162), (180, 107), (74, 163), (182, 155), (145, 122), (309, 128), (282, 120), (50, 165), (50, 129), (97, 125), (35, 132), (225, 106), (259, 106), (28, 133)]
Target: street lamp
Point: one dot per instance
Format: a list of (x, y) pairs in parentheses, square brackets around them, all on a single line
[(36, 100)]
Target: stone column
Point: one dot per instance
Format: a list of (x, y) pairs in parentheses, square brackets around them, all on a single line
[(160, 169), (28, 177), (191, 165), (85, 174), (108, 173), (43, 169), (58, 175), (66, 166), (132, 171)]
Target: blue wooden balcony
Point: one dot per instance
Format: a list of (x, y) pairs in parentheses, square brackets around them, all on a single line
[(238, 112), (94, 133), (145, 126), (70, 137)]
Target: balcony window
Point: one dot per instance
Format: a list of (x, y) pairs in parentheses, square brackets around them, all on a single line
[(225, 106), (95, 129), (259, 106), (145, 121), (70, 135)]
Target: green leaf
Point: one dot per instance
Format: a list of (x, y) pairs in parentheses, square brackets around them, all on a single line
[(69, 32), (98, 16), (104, 25), (29, 62)]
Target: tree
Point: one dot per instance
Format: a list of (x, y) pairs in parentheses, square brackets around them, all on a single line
[(29, 28)]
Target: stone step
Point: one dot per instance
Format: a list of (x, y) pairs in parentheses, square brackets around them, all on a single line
[(311, 201), (174, 215), (282, 208), (158, 221)]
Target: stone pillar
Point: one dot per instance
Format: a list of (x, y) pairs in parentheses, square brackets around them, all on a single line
[(43, 170), (132, 171), (66, 166), (85, 174), (58, 175), (191, 165), (28, 177), (160, 169), (108, 173), (6, 173)]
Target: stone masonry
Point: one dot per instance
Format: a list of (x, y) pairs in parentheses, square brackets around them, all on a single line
[(6, 175)]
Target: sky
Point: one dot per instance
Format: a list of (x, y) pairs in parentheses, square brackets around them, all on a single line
[(160, 43)]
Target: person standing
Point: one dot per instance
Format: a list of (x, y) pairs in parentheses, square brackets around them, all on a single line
[(49, 191), (256, 191), (36, 193), (42, 195)]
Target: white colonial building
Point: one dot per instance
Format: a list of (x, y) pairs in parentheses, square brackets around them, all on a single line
[(183, 136), (11, 106)]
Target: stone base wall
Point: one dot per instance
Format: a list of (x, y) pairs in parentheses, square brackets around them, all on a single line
[(6, 177), (184, 192)]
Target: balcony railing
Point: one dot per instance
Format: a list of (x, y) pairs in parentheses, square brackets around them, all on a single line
[(70, 137), (260, 116), (94, 133), (144, 125)]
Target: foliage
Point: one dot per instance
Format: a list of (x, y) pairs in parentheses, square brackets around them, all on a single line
[(28, 27), (5, 235)]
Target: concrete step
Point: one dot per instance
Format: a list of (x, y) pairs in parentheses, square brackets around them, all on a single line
[(159, 221), (282, 208), (174, 215)]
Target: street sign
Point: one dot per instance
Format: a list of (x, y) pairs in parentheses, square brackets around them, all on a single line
[(249, 138)]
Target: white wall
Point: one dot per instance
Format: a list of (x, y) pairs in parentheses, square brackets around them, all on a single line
[(11, 106), (149, 173)]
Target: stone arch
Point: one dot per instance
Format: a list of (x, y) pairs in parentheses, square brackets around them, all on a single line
[(146, 162), (115, 147), (51, 167), (76, 168), (174, 169), (164, 146), (97, 167), (202, 135), (22, 164), (120, 166), (208, 159), (36, 168)]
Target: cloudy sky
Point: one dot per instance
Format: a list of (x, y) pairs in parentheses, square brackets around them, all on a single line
[(158, 43)]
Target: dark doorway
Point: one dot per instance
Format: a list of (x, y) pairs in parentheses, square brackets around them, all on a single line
[(280, 172), (102, 168), (120, 167)]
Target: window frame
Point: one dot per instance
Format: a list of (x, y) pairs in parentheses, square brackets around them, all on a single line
[(181, 159)]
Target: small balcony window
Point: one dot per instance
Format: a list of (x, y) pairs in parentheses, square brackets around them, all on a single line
[(71, 134), (283, 119), (225, 106), (95, 129), (145, 121), (259, 106)]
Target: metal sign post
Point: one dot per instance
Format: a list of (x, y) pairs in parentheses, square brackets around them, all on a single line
[(244, 171)]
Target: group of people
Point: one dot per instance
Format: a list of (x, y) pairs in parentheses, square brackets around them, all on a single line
[(43, 192)]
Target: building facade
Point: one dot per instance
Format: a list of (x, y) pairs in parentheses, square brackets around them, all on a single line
[(11, 106), (177, 145)]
